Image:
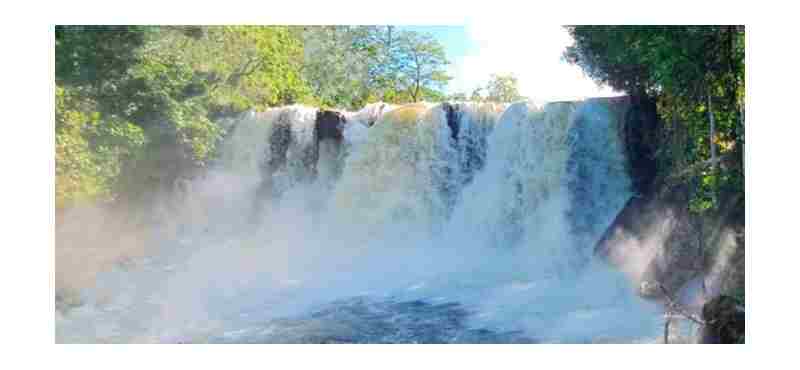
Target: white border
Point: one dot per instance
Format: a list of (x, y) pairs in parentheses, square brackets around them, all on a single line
[(28, 143)]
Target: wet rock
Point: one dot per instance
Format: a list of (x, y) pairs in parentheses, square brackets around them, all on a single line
[(453, 114), (649, 289), (641, 141), (655, 240), (329, 125)]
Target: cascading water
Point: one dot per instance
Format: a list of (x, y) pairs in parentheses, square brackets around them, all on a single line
[(419, 223)]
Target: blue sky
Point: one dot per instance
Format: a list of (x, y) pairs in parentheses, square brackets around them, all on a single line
[(455, 39), (532, 54)]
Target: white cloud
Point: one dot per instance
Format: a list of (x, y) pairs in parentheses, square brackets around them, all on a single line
[(532, 53)]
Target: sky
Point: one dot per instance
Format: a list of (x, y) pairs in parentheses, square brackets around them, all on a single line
[(534, 56)]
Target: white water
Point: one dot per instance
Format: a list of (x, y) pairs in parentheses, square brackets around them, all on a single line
[(501, 221)]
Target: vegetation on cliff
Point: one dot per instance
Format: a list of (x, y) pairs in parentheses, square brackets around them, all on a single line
[(696, 75)]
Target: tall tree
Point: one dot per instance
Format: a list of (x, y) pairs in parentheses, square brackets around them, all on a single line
[(348, 66), (336, 64), (503, 88), (423, 63)]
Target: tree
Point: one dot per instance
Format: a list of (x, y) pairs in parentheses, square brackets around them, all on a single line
[(336, 64), (124, 93), (457, 97), (422, 63), (477, 95), (383, 56), (348, 66), (94, 54), (503, 89), (696, 74)]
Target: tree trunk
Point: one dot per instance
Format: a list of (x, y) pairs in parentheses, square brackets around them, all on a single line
[(667, 322), (416, 88), (711, 132)]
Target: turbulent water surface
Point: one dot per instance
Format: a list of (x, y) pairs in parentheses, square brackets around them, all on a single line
[(406, 229)]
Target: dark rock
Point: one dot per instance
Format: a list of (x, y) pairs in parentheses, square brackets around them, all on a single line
[(279, 141), (655, 240), (329, 125), (641, 140), (725, 321), (453, 117)]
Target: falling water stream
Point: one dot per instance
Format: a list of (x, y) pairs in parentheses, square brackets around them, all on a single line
[(455, 223)]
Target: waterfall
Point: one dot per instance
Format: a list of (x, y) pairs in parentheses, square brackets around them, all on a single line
[(493, 208)]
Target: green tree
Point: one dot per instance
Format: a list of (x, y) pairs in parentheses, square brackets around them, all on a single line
[(503, 88), (382, 48), (131, 94), (90, 149), (95, 54), (348, 66), (422, 64), (457, 97), (336, 60), (477, 95)]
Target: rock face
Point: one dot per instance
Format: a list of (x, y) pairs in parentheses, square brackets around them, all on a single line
[(329, 125), (724, 321), (453, 118), (655, 239), (641, 133), (329, 144)]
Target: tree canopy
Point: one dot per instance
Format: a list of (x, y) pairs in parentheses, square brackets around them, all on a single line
[(137, 105), (501, 88), (349, 66)]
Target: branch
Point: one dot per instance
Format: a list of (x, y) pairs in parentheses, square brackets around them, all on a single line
[(251, 66), (671, 304)]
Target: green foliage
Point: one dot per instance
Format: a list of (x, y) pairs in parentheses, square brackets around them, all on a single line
[(126, 92), (94, 54), (691, 70), (336, 63), (457, 97), (422, 64), (90, 149), (349, 66), (503, 89), (478, 95)]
